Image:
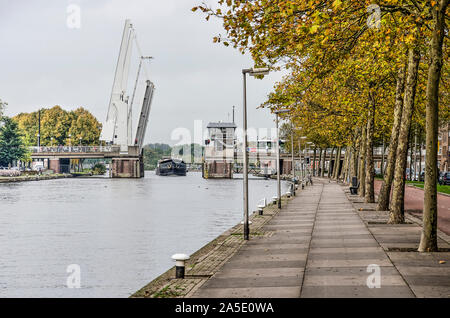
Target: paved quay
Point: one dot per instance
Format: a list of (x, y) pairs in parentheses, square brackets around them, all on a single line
[(327, 243)]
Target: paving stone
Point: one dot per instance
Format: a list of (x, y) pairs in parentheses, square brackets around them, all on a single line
[(266, 264), (349, 271), (259, 292), (349, 262), (431, 291), (349, 255), (356, 280), (316, 250), (262, 257), (356, 292), (260, 272), (244, 282)]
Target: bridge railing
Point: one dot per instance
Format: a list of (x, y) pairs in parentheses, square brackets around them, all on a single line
[(75, 149)]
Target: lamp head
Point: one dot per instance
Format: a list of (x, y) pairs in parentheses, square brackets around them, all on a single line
[(282, 111), (259, 71)]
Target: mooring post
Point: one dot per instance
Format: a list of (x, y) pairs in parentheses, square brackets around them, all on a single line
[(274, 200), (262, 206), (180, 260)]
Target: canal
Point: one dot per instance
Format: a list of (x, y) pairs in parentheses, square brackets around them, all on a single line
[(120, 232)]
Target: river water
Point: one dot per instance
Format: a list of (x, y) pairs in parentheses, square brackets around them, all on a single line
[(120, 232)]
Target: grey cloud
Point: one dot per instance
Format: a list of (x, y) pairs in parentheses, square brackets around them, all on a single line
[(44, 63)]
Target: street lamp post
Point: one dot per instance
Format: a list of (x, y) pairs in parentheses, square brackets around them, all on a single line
[(302, 165), (309, 164), (277, 112), (251, 72)]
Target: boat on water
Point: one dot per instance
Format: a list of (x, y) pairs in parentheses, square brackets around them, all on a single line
[(171, 167)]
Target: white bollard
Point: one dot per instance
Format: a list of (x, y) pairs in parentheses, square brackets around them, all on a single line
[(274, 200), (262, 206), (180, 261)]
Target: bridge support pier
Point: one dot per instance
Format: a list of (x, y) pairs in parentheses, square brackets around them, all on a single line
[(217, 170), (54, 165), (127, 167)]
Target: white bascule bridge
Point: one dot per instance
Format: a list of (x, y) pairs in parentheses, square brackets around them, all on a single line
[(119, 141)]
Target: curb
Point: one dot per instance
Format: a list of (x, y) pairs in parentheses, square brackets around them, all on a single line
[(439, 193)]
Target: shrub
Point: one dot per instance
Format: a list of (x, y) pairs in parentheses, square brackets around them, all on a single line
[(99, 169)]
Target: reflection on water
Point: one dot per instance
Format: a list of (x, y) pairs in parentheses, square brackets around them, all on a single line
[(121, 232)]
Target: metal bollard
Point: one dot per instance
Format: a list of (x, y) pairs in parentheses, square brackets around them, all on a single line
[(180, 260)]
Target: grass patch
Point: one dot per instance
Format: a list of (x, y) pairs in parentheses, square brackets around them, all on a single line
[(410, 249), (440, 188), (166, 293)]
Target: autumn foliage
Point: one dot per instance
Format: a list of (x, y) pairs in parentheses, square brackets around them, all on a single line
[(343, 60)]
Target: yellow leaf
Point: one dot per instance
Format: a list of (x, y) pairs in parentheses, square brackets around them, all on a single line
[(337, 3)]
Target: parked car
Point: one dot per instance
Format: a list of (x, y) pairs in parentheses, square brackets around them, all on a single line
[(409, 174), (422, 176), (445, 178)]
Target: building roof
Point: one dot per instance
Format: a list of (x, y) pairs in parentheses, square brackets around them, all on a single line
[(221, 125)]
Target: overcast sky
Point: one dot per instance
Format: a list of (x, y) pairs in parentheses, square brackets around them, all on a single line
[(44, 63)]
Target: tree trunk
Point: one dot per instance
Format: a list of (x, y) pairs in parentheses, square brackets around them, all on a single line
[(420, 156), (385, 191), (344, 172), (349, 164), (337, 161), (410, 156), (330, 169), (322, 173), (341, 175), (397, 206), (320, 162), (314, 162), (349, 160), (370, 191), (428, 241), (354, 170), (415, 156), (362, 163), (383, 151)]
